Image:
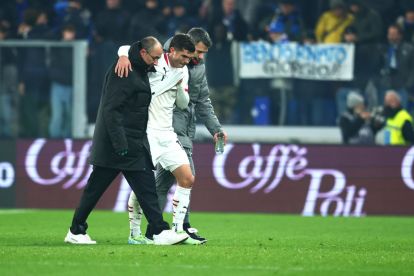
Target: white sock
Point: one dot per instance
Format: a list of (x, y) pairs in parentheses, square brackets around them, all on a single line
[(181, 200), (135, 215)]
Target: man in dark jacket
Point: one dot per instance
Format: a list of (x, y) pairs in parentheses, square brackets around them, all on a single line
[(367, 23), (120, 145), (396, 61), (184, 120)]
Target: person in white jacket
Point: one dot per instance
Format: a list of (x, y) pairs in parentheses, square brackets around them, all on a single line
[(169, 87)]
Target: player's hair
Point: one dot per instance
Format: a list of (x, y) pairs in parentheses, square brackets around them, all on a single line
[(200, 35), (182, 42), (149, 42)]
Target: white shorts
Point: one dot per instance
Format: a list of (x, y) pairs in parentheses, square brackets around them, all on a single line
[(166, 149)]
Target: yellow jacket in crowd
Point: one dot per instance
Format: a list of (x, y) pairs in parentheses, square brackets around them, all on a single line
[(330, 27)]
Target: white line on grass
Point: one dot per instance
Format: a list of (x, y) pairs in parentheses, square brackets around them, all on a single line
[(14, 211)]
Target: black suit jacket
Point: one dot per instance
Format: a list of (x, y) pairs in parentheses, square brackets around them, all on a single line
[(122, 118)]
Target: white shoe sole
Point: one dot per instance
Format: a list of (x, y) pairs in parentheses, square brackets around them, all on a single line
[(177, 242), (73, 241), (80, 243)]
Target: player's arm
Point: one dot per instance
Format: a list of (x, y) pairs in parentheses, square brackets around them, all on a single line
[(166, 81), (123, 66), (183, 98)]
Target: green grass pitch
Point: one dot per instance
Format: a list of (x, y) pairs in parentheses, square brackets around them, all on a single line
[(31, 243)]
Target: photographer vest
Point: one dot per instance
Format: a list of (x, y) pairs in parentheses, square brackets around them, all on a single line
[(393, 128)]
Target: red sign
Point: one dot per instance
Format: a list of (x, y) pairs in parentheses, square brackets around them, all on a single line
[(307, 180)]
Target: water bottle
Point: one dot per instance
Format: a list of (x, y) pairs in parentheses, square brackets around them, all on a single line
[(219, 147)]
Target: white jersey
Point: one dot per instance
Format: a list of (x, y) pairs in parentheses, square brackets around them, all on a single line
[(164, 93), (165, 147)]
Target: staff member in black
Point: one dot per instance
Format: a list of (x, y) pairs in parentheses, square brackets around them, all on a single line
[(120, 145)]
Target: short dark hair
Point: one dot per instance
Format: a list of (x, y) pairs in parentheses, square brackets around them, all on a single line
[(200, 35), (397, 27), (182, 42), (148, 43), (69, 28)]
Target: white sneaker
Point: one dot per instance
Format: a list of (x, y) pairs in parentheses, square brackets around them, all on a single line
[(78, 239), (169, 237)]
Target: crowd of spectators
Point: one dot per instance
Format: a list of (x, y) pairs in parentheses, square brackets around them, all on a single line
[(36, 88)]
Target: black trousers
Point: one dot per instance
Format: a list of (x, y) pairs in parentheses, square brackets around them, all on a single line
[(141, 182)]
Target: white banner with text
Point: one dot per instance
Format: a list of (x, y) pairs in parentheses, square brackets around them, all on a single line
[(293, 60)]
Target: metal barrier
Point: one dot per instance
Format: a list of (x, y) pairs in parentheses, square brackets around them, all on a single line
[(79, 119)]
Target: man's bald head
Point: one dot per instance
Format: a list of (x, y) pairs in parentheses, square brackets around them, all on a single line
[(151, 50), (392, 99)]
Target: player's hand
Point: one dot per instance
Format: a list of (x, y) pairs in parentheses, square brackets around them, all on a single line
[(215, 137), (123, 66)]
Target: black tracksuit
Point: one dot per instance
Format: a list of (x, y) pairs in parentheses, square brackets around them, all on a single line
[(121, 125)]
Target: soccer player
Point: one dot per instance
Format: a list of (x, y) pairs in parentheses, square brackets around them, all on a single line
[(184, 126)]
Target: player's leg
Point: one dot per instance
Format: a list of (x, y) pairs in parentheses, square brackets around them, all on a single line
[(143, 185), (181, 198), (189, 153), (192, 232), (175, 159), (98, 182), (135, 219)]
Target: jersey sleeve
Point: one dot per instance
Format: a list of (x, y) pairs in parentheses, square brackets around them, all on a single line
[(123, 50)]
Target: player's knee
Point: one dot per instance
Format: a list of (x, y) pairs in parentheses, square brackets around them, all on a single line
[(187, 181)]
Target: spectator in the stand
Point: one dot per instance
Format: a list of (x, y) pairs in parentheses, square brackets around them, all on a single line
[(388, 9), (111, 24), (72, 12), (34, 81), (406, 23), (227, 14), (367, 23), (220, 75), (355, 124), (312, 99), (8, 87), (397, 70), (179, 21), (61, 94), (111, 31), (11, 14), (264, 14), (247, 9), (332, 24), (365, 68), (399, 123), (148, 21), (287, 24)]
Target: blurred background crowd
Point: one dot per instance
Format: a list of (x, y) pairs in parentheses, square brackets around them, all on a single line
[(36, 83)]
